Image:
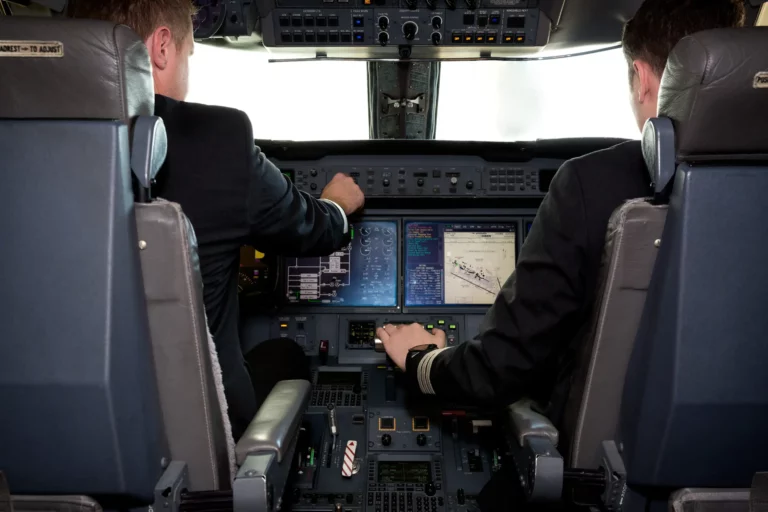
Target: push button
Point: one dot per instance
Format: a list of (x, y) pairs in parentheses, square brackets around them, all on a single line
[(468, 37), (456, 37)]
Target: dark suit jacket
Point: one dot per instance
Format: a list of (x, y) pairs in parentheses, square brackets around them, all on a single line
[(542, 313), (234, 196)]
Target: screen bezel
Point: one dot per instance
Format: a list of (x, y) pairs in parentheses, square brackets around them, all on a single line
[(287, 306), (516, 220)]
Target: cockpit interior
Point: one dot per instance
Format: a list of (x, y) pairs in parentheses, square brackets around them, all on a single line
[(453, 117)]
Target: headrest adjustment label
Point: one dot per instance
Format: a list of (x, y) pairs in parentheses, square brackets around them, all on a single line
[(31, 49), (761, 80)]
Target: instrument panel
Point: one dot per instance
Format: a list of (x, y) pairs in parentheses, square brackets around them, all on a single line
[(416, 177), (440, 236)]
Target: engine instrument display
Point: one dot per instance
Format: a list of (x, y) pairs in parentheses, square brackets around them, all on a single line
[(364, 273)]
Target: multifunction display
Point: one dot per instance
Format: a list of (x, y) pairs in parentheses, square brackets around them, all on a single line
[(364, 273), (457, 263), (396, 472)]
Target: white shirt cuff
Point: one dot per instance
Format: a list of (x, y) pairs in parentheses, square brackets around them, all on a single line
[(341, 210)]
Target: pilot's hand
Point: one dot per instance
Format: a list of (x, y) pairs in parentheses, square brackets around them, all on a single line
[(343, 191), (399, 340)]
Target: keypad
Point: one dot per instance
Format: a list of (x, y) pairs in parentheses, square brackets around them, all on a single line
[(402, 501)]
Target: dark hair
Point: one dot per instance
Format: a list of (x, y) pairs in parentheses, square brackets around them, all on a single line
[(143, 16), (660, 24)]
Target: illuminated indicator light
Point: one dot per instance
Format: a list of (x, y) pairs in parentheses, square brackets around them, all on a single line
[(519, 39), (258, 255), (456, 38), (491, 39), (441, 322), (430, 326), (283, 326), (452, 327), (507, 39), (468, 38)]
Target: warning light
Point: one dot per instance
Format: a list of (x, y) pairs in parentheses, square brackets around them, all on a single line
[(258, 255)]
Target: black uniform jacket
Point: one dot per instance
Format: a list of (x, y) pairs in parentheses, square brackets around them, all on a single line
[(527, 339), (234, 196)]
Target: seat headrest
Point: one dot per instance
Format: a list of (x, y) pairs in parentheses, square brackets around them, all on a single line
[(72, 68), (715, 90)]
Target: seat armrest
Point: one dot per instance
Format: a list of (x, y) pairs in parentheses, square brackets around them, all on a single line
[(526, 422), (277, 422), (532, 440)]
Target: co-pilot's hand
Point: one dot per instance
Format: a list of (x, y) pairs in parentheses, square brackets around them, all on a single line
[(399, 340)]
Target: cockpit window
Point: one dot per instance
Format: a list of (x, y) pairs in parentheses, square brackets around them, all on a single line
[(580, 96), (285, 101)]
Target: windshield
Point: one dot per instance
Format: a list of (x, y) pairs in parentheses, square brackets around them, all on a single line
[(583, 96)]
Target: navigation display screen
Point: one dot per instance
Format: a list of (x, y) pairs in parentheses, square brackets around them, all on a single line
[(364, 273), (457, 263), (404, 472)]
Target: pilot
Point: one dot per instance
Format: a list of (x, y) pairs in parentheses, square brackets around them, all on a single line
[(528, 337), (232, 194)]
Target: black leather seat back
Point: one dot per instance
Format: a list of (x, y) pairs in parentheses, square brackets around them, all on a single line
[(695, 406), (80, 413)]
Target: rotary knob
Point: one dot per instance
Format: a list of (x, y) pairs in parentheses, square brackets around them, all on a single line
[(409, 30), (436, 38), (421, 440), (383, 23), (420, 182), (470, 185), (437, 22), (383, 38), (386, 439)]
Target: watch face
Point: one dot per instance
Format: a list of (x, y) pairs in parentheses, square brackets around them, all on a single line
[(421, 348)]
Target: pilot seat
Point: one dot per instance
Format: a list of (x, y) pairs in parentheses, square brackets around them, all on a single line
[(668, 405), (110, 393)]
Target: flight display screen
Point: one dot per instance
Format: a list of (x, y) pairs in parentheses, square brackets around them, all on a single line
[(362, 274), (397, 472), (457, 263)]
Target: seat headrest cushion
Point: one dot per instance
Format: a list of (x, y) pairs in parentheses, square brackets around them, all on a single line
[(715, 90), (67, 68)]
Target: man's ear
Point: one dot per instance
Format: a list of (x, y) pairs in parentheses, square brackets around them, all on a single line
[(159, 45), (646, 80)]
